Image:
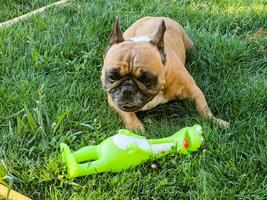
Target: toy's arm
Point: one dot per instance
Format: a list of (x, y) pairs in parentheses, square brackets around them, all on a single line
[(157, 145), (162, 145)]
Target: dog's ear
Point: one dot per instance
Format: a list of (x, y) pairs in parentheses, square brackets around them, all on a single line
[(116, 36), (158, 40)]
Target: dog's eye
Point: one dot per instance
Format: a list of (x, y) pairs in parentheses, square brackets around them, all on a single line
[(113, 75), (147, 78)]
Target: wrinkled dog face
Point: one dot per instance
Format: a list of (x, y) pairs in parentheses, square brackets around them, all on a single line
[(131, 92), (132, 70)]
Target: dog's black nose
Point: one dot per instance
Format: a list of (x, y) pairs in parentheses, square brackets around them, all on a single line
[(127, 91)]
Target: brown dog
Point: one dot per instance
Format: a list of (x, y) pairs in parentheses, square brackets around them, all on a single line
[(145, 67)]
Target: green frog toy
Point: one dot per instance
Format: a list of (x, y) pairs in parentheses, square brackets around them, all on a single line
[(126, 149)]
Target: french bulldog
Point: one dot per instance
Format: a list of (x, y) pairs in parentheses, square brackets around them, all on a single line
[(145, 66)]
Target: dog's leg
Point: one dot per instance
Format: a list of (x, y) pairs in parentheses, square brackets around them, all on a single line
[(203, 108), (130, 119)]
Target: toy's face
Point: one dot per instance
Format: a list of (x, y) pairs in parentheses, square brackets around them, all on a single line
[(191, 141)]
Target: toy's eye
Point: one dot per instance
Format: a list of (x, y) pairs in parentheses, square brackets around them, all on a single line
[(186, 143)]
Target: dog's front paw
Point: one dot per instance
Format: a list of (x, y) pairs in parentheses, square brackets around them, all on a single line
[(222, 123), (135, 126)]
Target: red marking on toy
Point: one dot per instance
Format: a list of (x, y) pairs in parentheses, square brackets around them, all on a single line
[(186, 143)]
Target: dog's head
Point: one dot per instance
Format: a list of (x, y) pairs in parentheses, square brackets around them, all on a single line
[(132, 71)]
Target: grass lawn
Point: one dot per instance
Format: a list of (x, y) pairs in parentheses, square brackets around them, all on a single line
[(11, 9), (50, 93)]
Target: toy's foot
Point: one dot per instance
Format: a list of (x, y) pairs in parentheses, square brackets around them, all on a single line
[(69, 159), (64, 150)]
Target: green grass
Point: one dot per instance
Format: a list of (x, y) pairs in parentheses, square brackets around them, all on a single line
[(49, 87), (11, 9)]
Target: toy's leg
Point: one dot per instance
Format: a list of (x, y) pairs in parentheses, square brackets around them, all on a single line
[(90, 168), (86, 154)]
